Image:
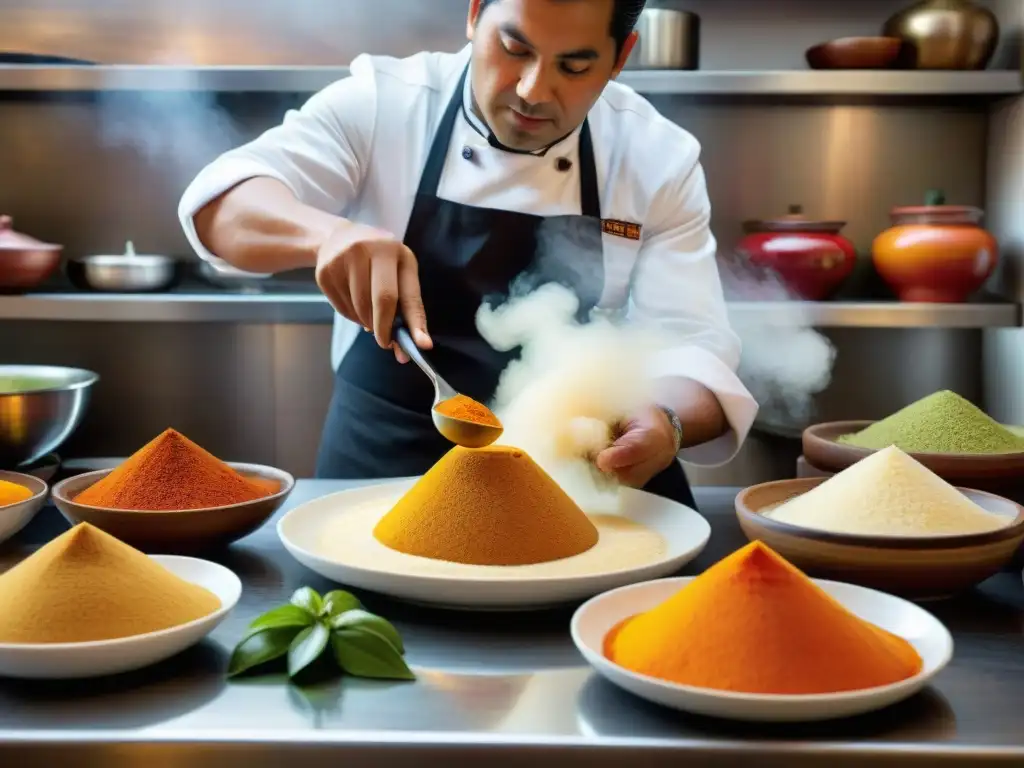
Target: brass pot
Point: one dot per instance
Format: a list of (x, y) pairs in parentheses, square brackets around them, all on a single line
[(946, 34)]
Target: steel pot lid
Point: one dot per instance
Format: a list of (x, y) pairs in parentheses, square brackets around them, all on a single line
[(795, 221), (11, 240)]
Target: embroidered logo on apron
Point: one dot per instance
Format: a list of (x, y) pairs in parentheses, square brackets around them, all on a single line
[(626, 229)]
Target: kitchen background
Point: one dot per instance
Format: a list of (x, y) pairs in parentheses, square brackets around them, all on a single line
[(93, 157)]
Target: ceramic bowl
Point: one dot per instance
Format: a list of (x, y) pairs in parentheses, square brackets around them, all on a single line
[(65, 661), (925, 567), (856, 53), (14, 517), (176, 532), (1001, 473)]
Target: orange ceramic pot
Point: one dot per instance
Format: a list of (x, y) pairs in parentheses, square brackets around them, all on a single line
[(935, 252)]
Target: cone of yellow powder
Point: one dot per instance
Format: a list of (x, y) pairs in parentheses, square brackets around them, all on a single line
[(86, 585), (487, 506)]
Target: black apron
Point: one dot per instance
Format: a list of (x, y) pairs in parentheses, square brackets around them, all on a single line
[(378, 424)]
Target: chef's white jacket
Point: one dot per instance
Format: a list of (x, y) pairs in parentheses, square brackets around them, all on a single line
[(357, 148)]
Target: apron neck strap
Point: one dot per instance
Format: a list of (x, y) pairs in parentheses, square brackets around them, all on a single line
[(590, 200)]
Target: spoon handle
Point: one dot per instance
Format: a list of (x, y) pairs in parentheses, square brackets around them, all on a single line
[(401, 334)]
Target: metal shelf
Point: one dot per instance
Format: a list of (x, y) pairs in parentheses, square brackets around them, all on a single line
[(312, 307), (993, 83)]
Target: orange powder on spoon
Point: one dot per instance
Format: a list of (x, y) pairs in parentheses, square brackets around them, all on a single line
[(467, 409), (753, 623)]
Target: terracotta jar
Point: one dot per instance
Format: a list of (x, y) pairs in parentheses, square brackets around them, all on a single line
[(935, 252), (24, 261), (810, 257)]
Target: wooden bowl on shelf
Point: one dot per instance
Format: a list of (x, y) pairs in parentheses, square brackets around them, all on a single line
[(856, 53), (176, 532), (916, 567), (1000, 473)]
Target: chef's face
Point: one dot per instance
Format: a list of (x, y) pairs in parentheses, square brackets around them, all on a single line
[(539, 65)]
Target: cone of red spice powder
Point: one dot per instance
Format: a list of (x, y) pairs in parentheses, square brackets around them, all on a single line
[(172, 473)]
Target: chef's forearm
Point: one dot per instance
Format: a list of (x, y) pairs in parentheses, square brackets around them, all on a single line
[(696, 406), (259, 226)]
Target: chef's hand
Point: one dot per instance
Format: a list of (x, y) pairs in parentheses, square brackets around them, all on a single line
[(646, 445), (367, 274)]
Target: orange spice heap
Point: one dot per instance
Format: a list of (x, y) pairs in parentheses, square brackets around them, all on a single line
[(489, 506), (171, 472), (467, 409), (86, 585), (12, 493), (753, 623)]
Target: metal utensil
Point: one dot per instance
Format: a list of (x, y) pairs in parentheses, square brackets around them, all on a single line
[(468, 434), (669, 39), (126, 273), (947, 34), (39, 417)]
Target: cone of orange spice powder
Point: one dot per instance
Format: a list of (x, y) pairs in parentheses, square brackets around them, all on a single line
[(172, 473), (753, 623)]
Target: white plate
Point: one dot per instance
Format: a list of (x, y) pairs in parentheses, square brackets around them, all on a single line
[(14, 517), (595, 618), (63, 661), (685, 533)]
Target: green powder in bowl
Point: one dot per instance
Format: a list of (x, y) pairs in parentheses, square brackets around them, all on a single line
[(16, 385), (943, 422)]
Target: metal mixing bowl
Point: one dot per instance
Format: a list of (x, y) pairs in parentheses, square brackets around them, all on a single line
[(38, 420), (124, 274)]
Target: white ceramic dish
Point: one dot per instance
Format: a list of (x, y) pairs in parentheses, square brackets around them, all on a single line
[(595, 618), (685, 533), (63, 661), (14, 517)]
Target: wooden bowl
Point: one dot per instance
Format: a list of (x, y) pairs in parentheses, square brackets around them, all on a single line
[(1000, 473), (14, 517), (176, 532), (856, 53), (920, 568)]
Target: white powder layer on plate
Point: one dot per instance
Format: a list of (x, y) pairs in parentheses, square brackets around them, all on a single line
[(347, 537), (888, 494)]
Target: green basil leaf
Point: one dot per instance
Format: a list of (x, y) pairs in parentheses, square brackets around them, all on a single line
[(306, 647), (259, 647), (284, 616), (359, 619), (309, 600), (338, 601), (362, 652)]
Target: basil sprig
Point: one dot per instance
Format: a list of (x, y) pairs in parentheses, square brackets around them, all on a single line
[(362, 644)]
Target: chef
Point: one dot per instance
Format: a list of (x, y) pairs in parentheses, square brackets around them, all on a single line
[(428, 185)]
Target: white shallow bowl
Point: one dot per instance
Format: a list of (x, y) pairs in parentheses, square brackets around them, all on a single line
[(14, 517), (685, 533), (64, 661), (595, 618)]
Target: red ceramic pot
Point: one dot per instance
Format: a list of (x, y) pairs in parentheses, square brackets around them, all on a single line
[(810, 257)]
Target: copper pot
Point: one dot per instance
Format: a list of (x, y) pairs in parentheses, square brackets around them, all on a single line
[(946, 34), (24, 261)]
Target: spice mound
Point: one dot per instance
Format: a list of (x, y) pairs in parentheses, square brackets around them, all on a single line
[(943, 422), (12, 493), (489, 506), (467, 409), (171, 473), (888, 494), (86, 585), (753, 623)]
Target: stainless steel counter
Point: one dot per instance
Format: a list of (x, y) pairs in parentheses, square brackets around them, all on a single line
[(508, 689), (311, 307)]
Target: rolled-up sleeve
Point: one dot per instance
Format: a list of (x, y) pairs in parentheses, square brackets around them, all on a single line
[(318, 151), (676, 287)]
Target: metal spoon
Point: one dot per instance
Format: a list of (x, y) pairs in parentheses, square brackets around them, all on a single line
[(468, 434)]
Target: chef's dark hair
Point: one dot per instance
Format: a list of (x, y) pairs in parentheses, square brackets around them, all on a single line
[(624, 18)]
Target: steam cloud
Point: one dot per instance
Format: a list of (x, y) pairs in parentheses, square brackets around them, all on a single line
[(561, 400)]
